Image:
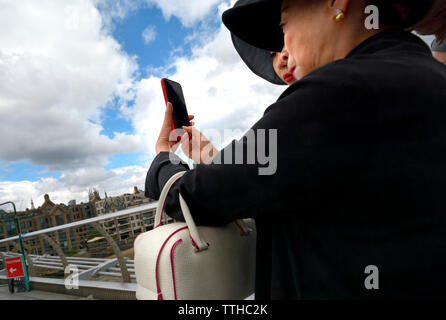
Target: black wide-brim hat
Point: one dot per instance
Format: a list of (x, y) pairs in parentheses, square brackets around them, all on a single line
[(258, 60), (256, 22)]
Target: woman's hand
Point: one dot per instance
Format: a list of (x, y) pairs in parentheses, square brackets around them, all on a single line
[(163, 143), (199, 148)]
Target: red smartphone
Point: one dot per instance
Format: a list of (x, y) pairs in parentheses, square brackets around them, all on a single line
[(173, 93)]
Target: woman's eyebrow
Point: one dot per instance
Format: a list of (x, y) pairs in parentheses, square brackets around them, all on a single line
[(283, 9)]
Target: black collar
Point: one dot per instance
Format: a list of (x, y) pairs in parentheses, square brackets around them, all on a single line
[(393, 40)]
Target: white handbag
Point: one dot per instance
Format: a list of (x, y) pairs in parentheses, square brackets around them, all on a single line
[(180, 261)]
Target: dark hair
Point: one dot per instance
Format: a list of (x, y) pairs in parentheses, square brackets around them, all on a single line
[(401, 13)]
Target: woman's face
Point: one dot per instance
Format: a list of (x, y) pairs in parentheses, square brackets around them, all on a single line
[(304, 24), (280, 64), (314, 38)]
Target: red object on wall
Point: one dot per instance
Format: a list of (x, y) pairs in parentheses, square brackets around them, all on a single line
[(14, 267)]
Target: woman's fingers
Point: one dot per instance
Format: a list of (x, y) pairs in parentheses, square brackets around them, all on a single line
[(187, 128), (196, 146), (186, 145), (190, 118), (189, 143)]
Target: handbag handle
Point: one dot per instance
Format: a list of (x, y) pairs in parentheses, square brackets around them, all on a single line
[(196, 239), (198, 243), (162, 199)]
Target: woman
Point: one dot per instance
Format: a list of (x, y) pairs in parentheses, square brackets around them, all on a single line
[(259, 61), (439, 50), (356, 207), (269, 65)]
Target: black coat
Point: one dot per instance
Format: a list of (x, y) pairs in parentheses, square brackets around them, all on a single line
[(360, 180)]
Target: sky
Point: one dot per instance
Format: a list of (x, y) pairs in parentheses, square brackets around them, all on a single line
[(81, 104)]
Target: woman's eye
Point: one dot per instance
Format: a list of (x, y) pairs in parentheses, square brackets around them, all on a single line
[(273, 54), (282, 25)]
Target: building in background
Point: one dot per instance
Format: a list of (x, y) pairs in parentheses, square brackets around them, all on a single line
[(126, 228), (123, 230), (46, 216), (7, 225)]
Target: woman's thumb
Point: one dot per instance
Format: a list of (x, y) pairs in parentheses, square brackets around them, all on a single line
[(168, 115), (169, 108)]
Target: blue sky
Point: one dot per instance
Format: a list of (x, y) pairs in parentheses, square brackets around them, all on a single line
[(25, 170), (169, 35)]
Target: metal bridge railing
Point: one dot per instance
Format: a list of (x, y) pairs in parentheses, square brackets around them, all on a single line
[(107, 260)]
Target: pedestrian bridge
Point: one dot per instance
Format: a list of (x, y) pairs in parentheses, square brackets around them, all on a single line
[(101, 278), (98, 277), (80, 276)]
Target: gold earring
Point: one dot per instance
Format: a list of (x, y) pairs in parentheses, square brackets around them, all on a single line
[(339, 15)]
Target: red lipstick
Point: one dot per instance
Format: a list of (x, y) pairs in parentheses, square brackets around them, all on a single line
[(289, 77)]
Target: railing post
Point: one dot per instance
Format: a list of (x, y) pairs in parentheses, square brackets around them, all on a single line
[(21, 243), (122, 263), (57, 248)]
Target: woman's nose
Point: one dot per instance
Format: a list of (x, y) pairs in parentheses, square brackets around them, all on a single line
[(284, 56)]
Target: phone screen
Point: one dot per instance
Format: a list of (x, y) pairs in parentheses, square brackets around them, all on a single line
[(174, 95)]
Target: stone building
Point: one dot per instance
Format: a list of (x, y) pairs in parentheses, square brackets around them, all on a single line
[(7, 226), (123, 229), (128, 227), (46, 216)]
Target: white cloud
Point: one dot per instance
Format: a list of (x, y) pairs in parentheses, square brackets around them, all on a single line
[(58, 70), (189, 12), (116, 10), (73, 186), (149, 34)]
